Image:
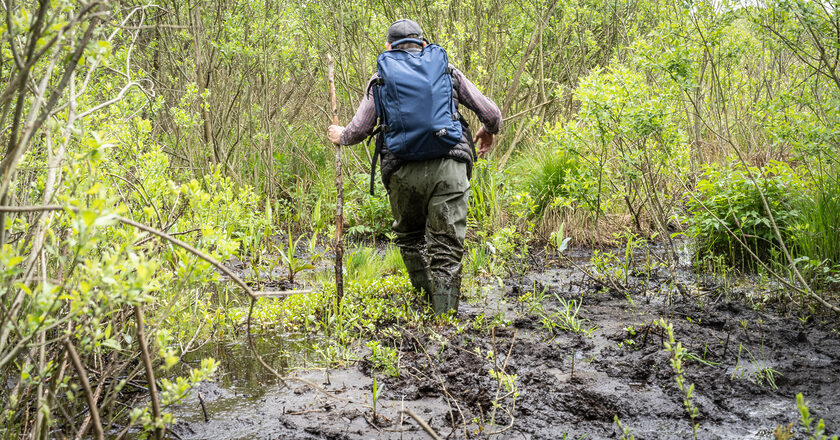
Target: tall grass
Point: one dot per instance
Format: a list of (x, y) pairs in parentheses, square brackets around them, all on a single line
[(367, 263), (818, 238), (485, 208), (545, 173)]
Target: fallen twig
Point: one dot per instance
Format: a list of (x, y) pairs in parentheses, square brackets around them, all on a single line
[(449, 396), (281, 293), (422, 424)]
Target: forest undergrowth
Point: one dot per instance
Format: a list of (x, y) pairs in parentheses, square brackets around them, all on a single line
[(167, 186)]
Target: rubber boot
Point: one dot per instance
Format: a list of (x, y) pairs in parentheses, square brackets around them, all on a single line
[(418, 273), (446, 297)]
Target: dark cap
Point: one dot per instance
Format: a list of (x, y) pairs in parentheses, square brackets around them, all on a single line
[(402, 29)]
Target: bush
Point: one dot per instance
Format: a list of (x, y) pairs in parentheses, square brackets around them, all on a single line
[(728, 200), (365, 214)]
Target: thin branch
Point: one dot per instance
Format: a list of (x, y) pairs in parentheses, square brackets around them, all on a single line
[(80, 369), (422, 424), (150, 371), (523, 112)]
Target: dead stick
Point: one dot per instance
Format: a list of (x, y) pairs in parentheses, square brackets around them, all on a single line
[(150, 372), (281, 294), (80, 369), (203, 409), (422, 424), (339, 186)]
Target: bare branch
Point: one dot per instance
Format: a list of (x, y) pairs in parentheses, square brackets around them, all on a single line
[(80, 370)]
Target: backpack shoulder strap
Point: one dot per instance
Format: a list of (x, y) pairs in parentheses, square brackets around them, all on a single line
[(381, 126), (451, 71), (377, 150)]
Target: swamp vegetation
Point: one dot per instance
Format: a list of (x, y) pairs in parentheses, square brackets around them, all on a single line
[(653, 247)]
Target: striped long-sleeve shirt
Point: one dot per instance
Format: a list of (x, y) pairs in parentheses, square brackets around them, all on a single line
[(364, 121)]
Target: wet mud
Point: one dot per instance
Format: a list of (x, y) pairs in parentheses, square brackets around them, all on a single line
[(501, 373)]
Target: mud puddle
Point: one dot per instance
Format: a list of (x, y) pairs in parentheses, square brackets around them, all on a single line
[(504, 370)]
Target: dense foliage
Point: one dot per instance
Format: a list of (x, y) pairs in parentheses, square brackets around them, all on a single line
[(205, 120)]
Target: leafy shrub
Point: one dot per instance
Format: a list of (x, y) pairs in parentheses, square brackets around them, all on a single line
[(727, 210), (366, 215), (622, 153)]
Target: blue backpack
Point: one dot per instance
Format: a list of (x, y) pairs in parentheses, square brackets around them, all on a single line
[(413, 96)]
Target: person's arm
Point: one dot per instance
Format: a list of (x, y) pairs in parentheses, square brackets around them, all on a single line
[(486, 110), (362, 124)]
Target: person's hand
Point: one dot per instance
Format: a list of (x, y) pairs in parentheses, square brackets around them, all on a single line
[(484, 141), (334, 133)]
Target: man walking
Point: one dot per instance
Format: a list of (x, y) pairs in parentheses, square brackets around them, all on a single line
[(426, 168)]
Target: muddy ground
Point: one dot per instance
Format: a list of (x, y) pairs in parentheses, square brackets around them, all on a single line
[(748, 364)]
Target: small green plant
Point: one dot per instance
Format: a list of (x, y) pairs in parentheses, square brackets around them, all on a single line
[(759, 373), (366, 215), (173, 392), (393, 260), (365, 263), (384, 358), (504, 250), (609, 269), (508, 383), (288, 256), (763, 374), (678, 352), (566, 318), (807, 421), (632, 243), (478, 260), (559, 240), (546, 174), (629, 341), (485, 208), (625, 431), (783, 432), (375, 392), (535, 301)]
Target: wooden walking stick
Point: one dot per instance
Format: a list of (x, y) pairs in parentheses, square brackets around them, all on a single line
[(339, 186)]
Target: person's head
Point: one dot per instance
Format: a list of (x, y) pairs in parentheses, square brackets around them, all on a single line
[(401, 29)]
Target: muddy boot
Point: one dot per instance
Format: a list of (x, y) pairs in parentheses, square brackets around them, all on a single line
[(445, 297), (418, 272)]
